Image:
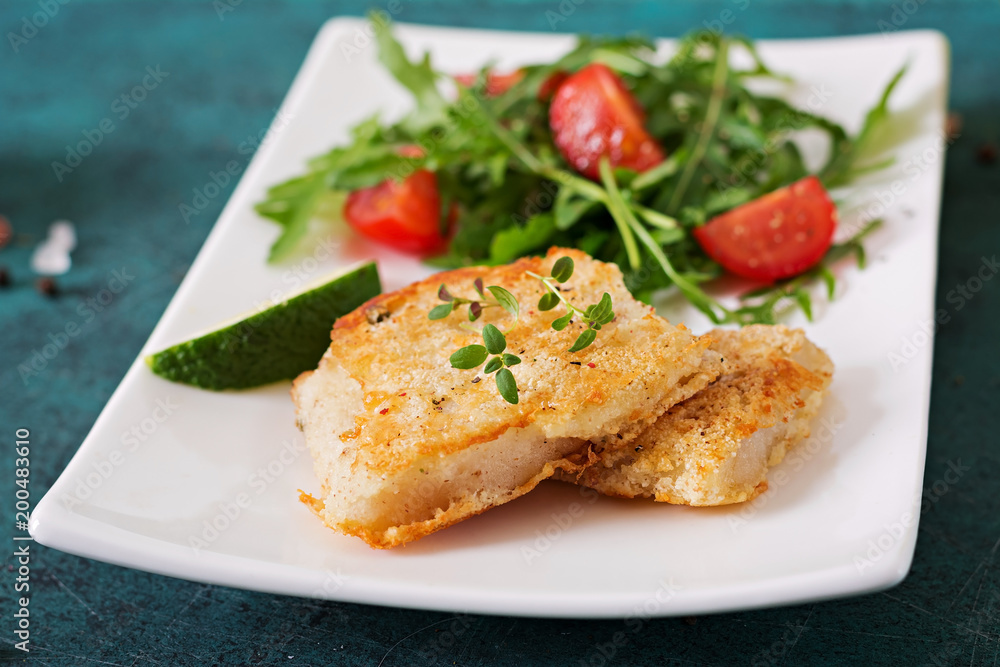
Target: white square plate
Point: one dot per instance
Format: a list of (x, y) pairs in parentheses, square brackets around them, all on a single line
[(165, 462)]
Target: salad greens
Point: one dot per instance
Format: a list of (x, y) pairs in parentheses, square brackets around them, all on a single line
[(498, 168)]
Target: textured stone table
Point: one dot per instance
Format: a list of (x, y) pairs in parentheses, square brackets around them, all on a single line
[(218, 84)]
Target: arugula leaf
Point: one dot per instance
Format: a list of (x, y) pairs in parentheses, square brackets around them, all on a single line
[(510, 193), (284, 199), (516, 241), (419, 78), (293, 209), (569, 208), (765, 304), (840, 169)]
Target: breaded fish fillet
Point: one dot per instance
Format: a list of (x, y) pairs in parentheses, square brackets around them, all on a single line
[(716, 447), (405, 445)]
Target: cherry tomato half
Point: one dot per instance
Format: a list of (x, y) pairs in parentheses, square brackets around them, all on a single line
[(403, 214), (592, 115), (776, 236), (496, 83)]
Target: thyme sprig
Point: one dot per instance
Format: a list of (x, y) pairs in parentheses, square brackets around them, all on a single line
[(473, 356), (493, 351), (595, 316), (499, 297)]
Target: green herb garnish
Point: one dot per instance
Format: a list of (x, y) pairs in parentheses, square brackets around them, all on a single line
[(595, 316), (493, 350)]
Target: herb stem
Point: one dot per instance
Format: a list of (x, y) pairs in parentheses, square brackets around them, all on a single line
[(655, 218), (580, 185), (516, 148), (708, 125), (548, 283), (694, 293), (621, 61), (620, 213)]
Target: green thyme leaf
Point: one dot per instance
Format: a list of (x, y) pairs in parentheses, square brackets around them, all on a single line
[(584, 340), (442, 311), (493, 365), (506, 299), (444, 294), (478, 285), (562, 270), (507, 385), (603, 312), (511, 359), (495, 341), (470, 356), (475, 310), (548, 301), (562, 322)]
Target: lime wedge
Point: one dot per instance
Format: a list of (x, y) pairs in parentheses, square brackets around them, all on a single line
[(274, 344)]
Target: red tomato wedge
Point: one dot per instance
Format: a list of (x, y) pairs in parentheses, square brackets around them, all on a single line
[(551, 85), (405, 215), (592, 115), (776, 236), (411, 150), (499, 83), (496, 84)]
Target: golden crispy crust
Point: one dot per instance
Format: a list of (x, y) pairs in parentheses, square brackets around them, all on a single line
[(414, 411), (417, 402), (689, 455)]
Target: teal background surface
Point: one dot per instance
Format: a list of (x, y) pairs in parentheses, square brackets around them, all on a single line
[(226, 76)]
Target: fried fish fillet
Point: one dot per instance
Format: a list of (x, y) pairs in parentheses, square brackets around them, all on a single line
[(715, 448), (405, 445)]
